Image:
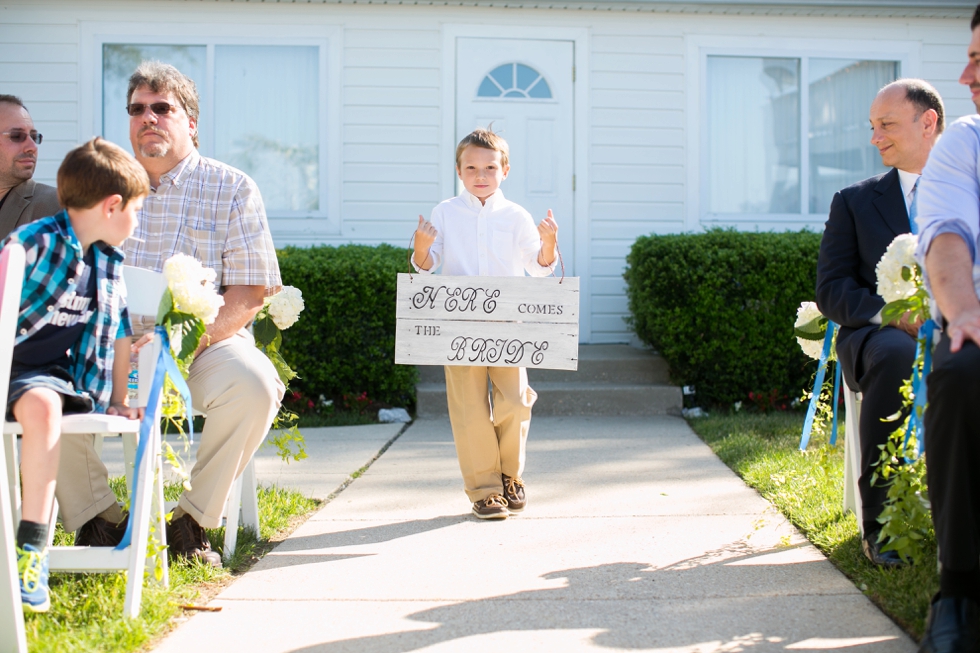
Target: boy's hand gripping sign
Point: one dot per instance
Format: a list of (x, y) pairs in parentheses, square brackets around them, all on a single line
[(488, 321)]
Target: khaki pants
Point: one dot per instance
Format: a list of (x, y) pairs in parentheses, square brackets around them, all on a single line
[(489, 440), (239, 390)]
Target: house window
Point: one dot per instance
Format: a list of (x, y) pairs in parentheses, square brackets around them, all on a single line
[(259, 112), (514, 80), (785, 133)]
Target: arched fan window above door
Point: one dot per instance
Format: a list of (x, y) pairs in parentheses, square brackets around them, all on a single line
[(514, 80)]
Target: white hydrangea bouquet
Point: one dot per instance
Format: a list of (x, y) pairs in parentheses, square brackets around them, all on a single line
[(278, 314), (810, 330), (190, 302), (906, 519), (900, 281)]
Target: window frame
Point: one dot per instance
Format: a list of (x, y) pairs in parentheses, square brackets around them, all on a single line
[(906, 53), (286, 226)]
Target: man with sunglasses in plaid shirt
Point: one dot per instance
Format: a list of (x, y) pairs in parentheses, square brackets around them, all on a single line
[(22, 199), (209, 210)]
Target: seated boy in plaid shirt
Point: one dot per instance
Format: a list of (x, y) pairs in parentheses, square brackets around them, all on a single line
[(71, 351)]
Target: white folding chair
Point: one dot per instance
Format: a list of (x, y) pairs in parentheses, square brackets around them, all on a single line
[(149, 491), (852, 455), (12, 637), (243, 500)]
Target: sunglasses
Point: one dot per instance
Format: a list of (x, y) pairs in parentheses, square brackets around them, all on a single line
[(20, 137), (159, 108)]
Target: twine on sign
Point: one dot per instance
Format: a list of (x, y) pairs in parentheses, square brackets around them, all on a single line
[(560, 260)]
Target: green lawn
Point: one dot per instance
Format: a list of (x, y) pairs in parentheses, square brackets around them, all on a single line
[(86, 609), (808, 488)]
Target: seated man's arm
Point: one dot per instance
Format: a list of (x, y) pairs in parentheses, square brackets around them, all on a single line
[(242, 303), (950, 267), (840, 294)]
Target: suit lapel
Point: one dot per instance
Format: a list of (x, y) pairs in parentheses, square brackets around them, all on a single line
[(891, 204), (18, 198)]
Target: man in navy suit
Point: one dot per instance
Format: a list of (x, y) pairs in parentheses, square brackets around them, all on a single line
[(907, 117)]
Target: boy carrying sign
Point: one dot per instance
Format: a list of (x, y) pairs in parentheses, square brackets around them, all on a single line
[(481, 233), (71, 352)]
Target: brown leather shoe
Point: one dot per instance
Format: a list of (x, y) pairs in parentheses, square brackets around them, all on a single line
[(187, 539), (101, 532), (493, 507), (514, 493)]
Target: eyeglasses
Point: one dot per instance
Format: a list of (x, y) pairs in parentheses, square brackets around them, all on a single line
[(159, 108), (20, 136)]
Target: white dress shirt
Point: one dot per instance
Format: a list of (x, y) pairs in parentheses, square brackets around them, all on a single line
[(908, 179), (496, 239)]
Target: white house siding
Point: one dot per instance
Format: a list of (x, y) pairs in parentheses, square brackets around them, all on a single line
[(392, 116)]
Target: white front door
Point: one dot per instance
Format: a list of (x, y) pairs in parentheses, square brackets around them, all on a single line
[(524, 87)]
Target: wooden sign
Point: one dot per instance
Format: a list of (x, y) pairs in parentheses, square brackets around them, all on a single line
[(491, 321)]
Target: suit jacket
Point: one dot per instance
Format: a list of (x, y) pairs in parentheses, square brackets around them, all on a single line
[(864, 219), (25, 203)]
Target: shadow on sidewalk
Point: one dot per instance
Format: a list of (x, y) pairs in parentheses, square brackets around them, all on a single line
[(634, 606), (384, 532)]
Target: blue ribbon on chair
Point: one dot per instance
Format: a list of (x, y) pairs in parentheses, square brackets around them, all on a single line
[(919, 386), (833, 430), (811, 410), (166, 365)]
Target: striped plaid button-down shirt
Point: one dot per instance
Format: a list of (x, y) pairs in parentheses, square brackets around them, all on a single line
[(213, 212), (54, 257)]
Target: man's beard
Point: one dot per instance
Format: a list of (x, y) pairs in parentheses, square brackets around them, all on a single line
[(15, 174), (157, 149)]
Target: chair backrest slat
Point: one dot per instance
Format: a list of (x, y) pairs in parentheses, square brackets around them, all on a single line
[(144, 288), (11, 288)]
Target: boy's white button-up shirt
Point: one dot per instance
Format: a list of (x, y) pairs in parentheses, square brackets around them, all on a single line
[(496, 239)]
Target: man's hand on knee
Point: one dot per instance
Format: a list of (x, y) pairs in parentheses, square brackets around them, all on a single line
[(965, 326)]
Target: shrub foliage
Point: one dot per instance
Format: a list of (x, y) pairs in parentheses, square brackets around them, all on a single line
[(344, 342), (720, 307)]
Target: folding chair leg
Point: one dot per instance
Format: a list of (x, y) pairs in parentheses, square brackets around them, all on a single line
[(52, 521), (129, 455), (232, 513), (13, 477), (852, 457), (250, 498), (160, 524), (12, 637), (139, 512)]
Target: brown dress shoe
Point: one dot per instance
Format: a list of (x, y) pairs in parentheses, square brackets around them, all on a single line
[(493, 507), (101, 532), (187, 539), (514, 493)]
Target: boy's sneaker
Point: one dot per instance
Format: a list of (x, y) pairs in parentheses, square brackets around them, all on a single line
[(514, 493), (493, 507), (32, 568)]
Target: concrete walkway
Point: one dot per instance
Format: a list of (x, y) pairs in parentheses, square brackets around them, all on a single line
[(636, 537)]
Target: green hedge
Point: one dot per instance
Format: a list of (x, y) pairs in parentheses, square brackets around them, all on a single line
[(344, 342), (720, 307)]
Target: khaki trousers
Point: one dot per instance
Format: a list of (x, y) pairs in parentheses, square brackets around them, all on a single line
[(490, 438), (239, 390)]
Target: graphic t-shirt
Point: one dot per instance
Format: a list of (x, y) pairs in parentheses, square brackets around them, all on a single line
[(51, 343)]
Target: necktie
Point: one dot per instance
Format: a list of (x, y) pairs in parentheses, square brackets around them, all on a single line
[(914, 207)]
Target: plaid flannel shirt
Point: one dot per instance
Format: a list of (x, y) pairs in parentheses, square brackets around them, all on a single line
[(213, 212), (54, 256)]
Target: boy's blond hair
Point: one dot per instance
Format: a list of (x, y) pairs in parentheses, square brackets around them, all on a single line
[(486, 139), (94, 171)]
